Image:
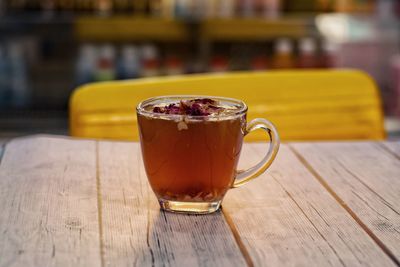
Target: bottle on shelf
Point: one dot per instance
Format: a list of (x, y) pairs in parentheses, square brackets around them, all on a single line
[(129, 63), (246, 8), (283, 57), (307, 53), (173, 65), (104, 7), (329, 56), (86, 64), (19, 75), (155, 7), (271, 8), (195, 64), (259, 63), (226, 9), (219, 63), (167, 8), (182, 9), (150, 61), (105, 70), (5, 90), (211, 9), (199, 8)]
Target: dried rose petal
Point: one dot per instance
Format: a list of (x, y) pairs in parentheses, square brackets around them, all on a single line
[(197, 110), (215, 107), (204, 100), (194, 107), (158, 110), (172, 109)]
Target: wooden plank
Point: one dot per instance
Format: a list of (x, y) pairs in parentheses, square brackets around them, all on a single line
[(365, 177), (286, 217), (393, 147), (48, 203), (3, 141), (135, 232)]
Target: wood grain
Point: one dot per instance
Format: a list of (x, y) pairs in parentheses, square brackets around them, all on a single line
[(48, 203), (365, 176), (286, 218), (137, 233), (68, 202), (392, 147)]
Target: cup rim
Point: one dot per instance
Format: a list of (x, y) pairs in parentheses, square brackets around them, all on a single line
[(140, 107)]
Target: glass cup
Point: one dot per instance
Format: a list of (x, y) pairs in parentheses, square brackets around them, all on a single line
[(191, 161)]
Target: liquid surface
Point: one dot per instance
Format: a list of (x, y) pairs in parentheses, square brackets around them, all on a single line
[(196, 107)]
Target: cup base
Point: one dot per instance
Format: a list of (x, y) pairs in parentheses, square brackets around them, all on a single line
[(189, 207)]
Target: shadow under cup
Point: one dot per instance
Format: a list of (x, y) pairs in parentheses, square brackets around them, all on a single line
[(191, 161)]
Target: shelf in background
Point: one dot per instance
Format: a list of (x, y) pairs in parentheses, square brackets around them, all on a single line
[(36, 18), (129, 29), (255, 29), (158, 29)]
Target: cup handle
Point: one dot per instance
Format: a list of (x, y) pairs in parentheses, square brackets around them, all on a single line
[(243, 176)]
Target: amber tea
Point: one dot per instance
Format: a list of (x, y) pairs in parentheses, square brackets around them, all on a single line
[(191, 148)]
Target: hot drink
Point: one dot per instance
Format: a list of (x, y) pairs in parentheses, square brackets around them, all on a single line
[(189, 158), (191, 148)]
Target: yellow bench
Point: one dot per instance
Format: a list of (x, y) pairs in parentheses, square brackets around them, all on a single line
[(304, 105)]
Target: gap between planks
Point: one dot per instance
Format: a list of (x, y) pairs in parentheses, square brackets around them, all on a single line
[(238, 239), (321, 180), (99, 206), (159, 246), (2, 149), (228, 220), (392, 153)]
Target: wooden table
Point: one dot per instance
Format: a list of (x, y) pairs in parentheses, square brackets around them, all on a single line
[(69, 202)]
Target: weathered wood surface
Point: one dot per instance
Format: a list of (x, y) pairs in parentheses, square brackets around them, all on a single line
[(68, 202), (366, 179), (286, 218), (48, 203), (393, 147), (136, 233)]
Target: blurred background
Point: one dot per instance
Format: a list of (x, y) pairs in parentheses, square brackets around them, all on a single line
[(49, 47)]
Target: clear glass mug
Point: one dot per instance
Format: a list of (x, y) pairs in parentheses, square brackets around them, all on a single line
[(191, 161)]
